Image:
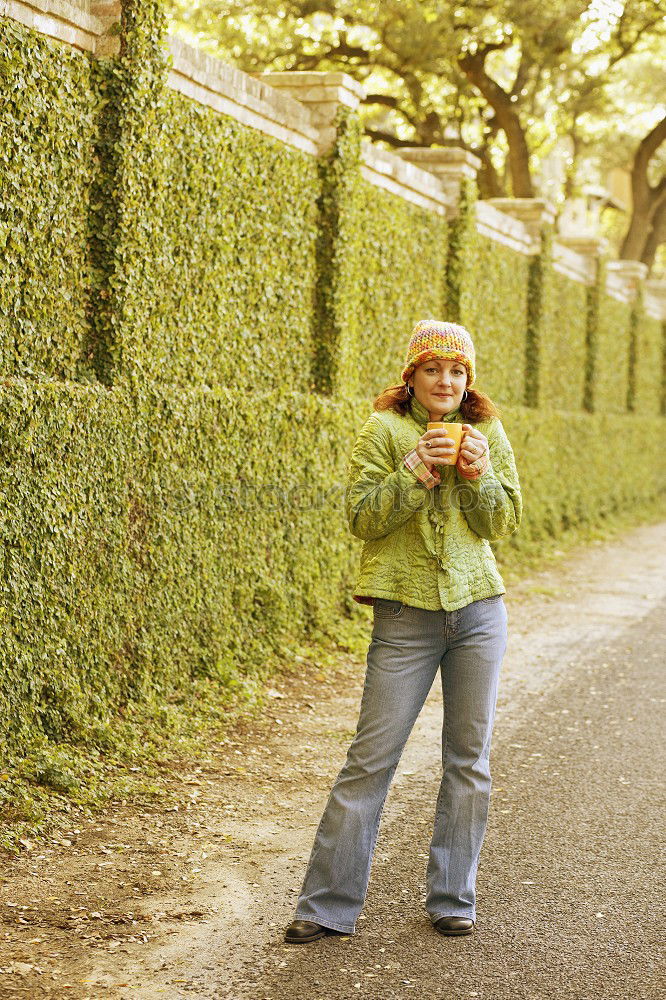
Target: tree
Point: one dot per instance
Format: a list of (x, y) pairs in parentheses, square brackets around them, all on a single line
[(503, 78), (647, 220)]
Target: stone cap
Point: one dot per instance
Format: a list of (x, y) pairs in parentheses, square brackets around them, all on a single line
[(445, 161), (505, 229), (451, 164), (533, 212), (250, 101), (656, 286), (386, 170), (588, 246), (572, 264), (106, 9), (655, 298), (623, 278), (315, 88), (630, 270), (78, 23)]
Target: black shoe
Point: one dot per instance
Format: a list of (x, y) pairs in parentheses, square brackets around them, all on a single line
[(303, 931), (454, 925)]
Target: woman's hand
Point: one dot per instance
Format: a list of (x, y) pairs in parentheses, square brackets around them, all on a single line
[(474, 450), (440, 450)]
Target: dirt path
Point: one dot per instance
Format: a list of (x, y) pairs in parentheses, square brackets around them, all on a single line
[(192, 903)]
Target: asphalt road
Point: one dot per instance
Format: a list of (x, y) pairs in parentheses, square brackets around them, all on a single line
[(571, 885)]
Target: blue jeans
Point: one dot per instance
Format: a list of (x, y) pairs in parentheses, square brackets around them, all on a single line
[(408, 646)]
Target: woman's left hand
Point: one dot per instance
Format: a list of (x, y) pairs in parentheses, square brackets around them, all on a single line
[(474, 446)]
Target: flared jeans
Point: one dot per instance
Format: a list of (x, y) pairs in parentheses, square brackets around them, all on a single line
[(409, 645)]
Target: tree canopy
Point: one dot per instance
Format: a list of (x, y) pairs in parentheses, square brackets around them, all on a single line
[(514, 81)]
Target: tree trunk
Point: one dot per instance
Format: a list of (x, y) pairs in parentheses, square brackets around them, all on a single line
[(656, 236), (489, 181), (507, 118), (646, 199)]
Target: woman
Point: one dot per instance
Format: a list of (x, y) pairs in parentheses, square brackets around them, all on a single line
[(429, 572)]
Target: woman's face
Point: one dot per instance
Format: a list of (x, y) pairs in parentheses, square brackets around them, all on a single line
[(439, 386)]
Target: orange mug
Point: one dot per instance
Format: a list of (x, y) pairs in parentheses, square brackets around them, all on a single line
[(454, 431)]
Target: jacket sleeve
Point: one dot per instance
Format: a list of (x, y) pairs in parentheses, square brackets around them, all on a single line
[(493, 505), (378, 496)]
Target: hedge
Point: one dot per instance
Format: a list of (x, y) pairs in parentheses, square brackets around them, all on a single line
[(195, 320), (611, 381), (148, 545), (149, 541), (562, 344), (647, 367), (494, 308)]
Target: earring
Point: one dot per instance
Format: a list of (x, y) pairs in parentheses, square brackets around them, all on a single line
[(410, 391), (464, 395)]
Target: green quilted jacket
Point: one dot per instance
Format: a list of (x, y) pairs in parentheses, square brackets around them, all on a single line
[(429, 548)]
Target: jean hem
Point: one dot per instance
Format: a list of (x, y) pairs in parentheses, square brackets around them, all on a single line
[(468, 916), (343, 928)]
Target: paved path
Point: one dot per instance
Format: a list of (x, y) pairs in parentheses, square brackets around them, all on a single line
[(571, 885), (571, 888)]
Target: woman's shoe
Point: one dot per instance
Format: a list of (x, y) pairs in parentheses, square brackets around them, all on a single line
[(454, 925), (303, 931)]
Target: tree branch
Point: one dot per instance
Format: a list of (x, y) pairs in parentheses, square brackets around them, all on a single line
[(391, 139), (386, 99), (472, 65)]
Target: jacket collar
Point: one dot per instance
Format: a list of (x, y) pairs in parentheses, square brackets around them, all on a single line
[(422, 416)]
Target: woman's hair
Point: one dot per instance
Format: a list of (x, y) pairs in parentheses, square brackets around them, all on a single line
[(475, 407)]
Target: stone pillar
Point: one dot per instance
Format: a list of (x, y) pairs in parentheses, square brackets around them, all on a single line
[(452, 165), (108, 12), (322, 93)]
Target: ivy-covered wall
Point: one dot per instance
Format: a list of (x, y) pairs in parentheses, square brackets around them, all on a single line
[(221, 275), (409, 244), (382, 268), (48, 98), (611, 371), (195, 320), (568, 475), (562, 339), (191, 533), (648, 366), (493, 305)]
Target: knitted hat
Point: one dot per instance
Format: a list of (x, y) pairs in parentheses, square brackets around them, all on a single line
[(431, 339)]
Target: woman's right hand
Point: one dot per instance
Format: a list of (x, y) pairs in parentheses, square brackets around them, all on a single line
[(441, 451)]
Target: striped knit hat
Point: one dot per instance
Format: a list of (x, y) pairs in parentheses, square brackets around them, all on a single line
[(431, 339)]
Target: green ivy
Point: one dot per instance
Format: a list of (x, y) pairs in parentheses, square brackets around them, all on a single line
[(47, 106), (611, 378), (562, 353), (462, 243), (645, 360), (398, 278), (565, 474), (538, 293), (194, 320), (592, 312), (493, 306)]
